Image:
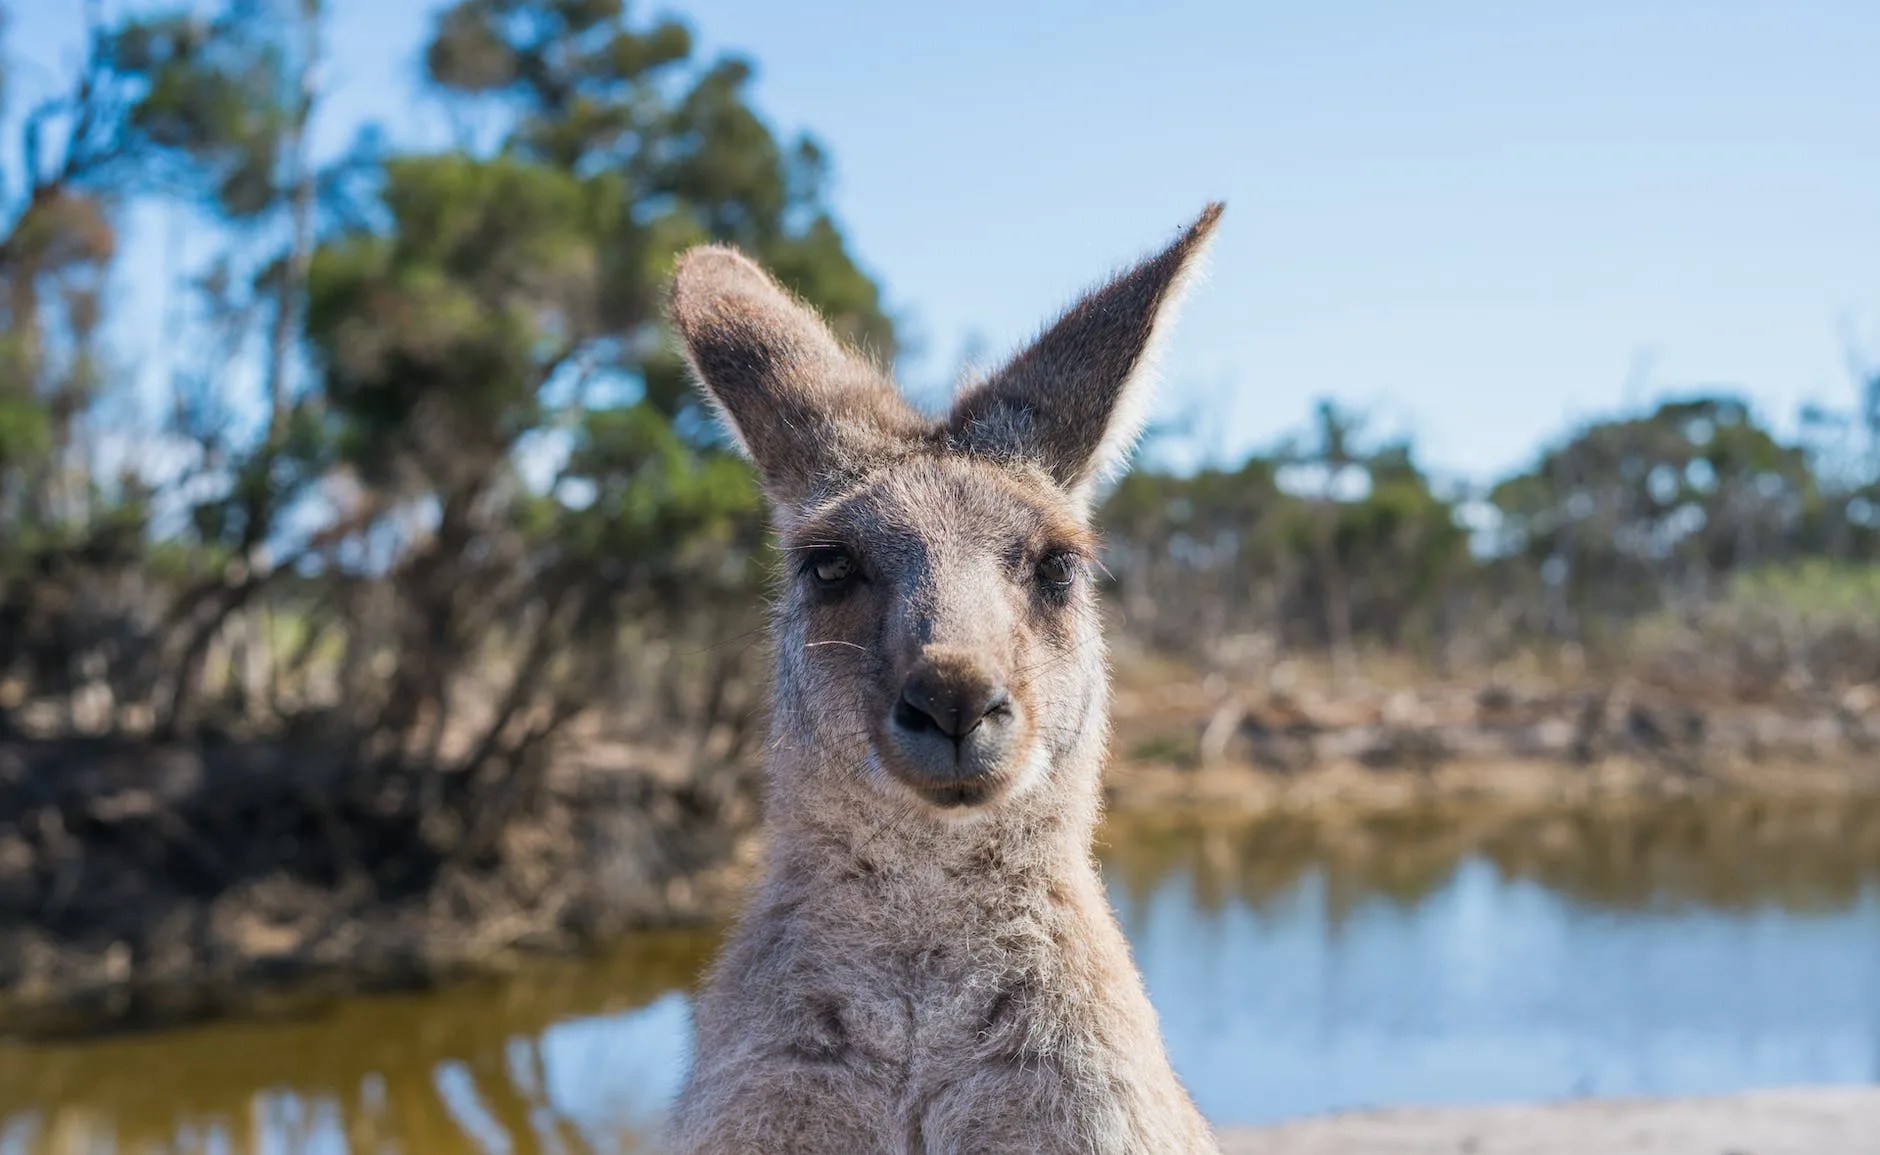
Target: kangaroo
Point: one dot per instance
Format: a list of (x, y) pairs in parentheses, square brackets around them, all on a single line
[(930, 963)]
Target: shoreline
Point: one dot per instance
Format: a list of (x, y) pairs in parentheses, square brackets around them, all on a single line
[(138, 885), (1813, 1121), (1517, 783), (1188, 744), (148, 885), (1401, 835)]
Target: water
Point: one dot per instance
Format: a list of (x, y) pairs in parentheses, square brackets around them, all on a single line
[(1299, 967)]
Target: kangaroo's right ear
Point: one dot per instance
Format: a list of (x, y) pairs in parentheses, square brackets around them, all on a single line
[(807, 411)]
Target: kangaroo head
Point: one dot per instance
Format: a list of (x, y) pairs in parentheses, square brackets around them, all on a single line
[(937, 627)]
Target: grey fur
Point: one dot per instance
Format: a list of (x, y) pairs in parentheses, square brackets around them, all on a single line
[(911, 978)]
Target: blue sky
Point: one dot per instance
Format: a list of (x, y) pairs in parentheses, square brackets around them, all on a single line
[(1479, 220)]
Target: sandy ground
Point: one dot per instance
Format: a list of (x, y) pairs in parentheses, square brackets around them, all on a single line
[(1826, 1122)]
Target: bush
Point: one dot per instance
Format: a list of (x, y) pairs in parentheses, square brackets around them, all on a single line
[(1801, 627)]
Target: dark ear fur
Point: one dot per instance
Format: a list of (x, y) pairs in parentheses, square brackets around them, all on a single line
[(1075, 400), (805, 409)]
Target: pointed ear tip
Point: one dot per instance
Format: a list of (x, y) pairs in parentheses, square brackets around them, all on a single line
[(709, 270), (710, 253), (1204, 224)]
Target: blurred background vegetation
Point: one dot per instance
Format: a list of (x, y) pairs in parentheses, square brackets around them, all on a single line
[(429, 510), (431, 474)]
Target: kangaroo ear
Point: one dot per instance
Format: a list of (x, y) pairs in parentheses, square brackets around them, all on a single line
[(1076, 399), (807, 411)]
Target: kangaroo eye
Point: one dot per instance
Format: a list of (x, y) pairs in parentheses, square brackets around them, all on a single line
[(832, 568), (1056, 571)]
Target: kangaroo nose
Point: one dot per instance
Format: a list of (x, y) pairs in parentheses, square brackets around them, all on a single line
[(951, 701)]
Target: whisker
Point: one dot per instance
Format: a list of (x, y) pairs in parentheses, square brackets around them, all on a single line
[(893, 823), (1052, 660)]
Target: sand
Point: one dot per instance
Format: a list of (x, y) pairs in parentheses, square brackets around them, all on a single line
[(1823, 1122)]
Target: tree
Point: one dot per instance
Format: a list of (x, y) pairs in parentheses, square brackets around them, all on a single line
[(508, 304), (493, 313), (1311, 547), (1332, 458), (1633, 512)]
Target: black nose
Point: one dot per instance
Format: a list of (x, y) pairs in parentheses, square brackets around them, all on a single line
[(951, 702)]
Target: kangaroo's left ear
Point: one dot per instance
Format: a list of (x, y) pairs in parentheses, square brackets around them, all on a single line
[(1076, 399)]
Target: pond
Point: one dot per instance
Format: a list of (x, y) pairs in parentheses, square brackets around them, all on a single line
[(1300, 965)]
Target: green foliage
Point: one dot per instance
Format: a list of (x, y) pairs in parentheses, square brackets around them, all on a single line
[(23, 429), (1236, 551), (1815, 590), (1809, 624), (593, 93), (214, 95), (493, 275), (510, 303), (192, 104), (493, 306), (494, 315), (662, 512), (1628, 513), (484, 284)]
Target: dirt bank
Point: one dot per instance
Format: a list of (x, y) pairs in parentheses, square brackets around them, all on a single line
[(1370, 745), (1826, 1122), (146, 883)]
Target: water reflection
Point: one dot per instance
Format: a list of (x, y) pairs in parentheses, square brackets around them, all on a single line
[(1729, 853), (1300, 965), (1306, 967), (571, 1057)]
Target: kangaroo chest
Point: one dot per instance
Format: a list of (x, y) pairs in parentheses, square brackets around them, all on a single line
[(940, 991), (915, 1022)]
